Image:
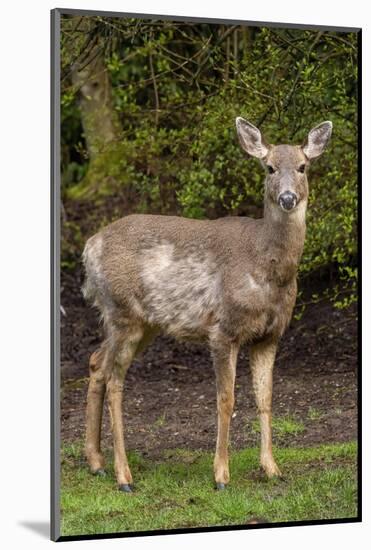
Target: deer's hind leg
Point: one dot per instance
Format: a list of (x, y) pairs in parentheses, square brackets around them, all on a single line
[(224, 359), (123, 346), (94, 411)]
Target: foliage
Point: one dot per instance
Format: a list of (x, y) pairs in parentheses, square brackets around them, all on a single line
[(177, 88), (177, 491)]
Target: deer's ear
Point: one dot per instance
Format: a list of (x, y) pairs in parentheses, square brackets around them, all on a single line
[(317, 140), (251, 139)]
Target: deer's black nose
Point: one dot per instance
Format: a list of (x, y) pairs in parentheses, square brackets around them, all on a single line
[(287, 200)]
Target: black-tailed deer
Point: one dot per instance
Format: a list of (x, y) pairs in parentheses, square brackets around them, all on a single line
[(227, 282)]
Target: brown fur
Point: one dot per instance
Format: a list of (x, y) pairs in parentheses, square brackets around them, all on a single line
[(225, 282)]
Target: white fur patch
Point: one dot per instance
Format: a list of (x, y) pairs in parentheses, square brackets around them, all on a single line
[(180, 292), (248, 290), (251, 283), (92, 260)]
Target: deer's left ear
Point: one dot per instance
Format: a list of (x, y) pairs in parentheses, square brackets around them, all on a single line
[(317, 140)]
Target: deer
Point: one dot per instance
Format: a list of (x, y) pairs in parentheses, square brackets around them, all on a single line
[(224, 282)]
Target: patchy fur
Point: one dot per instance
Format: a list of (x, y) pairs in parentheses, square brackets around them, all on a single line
[(180, 294)]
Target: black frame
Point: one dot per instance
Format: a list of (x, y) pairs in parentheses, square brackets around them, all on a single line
[(55, 276)]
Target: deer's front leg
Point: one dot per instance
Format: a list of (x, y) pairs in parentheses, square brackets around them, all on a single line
[(225, 358), (94, 411), (261, 361)]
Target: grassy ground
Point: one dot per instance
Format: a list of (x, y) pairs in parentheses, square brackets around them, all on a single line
[(177, 491)]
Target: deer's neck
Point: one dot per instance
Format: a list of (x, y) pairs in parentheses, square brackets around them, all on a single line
[(284, 235)]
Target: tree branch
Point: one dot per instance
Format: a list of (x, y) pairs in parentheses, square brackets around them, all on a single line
[(155, 89)]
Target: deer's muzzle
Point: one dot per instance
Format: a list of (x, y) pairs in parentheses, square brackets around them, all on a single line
[(287, 200)]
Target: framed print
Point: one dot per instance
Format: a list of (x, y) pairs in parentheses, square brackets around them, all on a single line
[(205, 308)]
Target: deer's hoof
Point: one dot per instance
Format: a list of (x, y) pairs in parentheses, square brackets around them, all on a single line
[(220, 486), (125, 488), (100, 472)]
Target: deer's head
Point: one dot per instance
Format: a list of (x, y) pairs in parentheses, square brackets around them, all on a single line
[(286, 165)]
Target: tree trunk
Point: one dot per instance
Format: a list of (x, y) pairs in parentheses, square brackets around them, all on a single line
[(100, 122), (98, 117)]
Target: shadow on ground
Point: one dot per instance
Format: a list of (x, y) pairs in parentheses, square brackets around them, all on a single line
[(42, 528)]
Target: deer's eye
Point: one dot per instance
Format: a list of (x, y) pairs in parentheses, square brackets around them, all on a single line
[(301, 168), (271, 170)]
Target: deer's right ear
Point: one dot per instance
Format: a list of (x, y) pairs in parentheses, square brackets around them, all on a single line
[(251, 139)]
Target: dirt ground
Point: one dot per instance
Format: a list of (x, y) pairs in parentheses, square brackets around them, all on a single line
[(170, 400)]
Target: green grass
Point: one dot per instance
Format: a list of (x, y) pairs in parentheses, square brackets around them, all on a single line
[(177, 491), (314, 414), (281, 426)]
